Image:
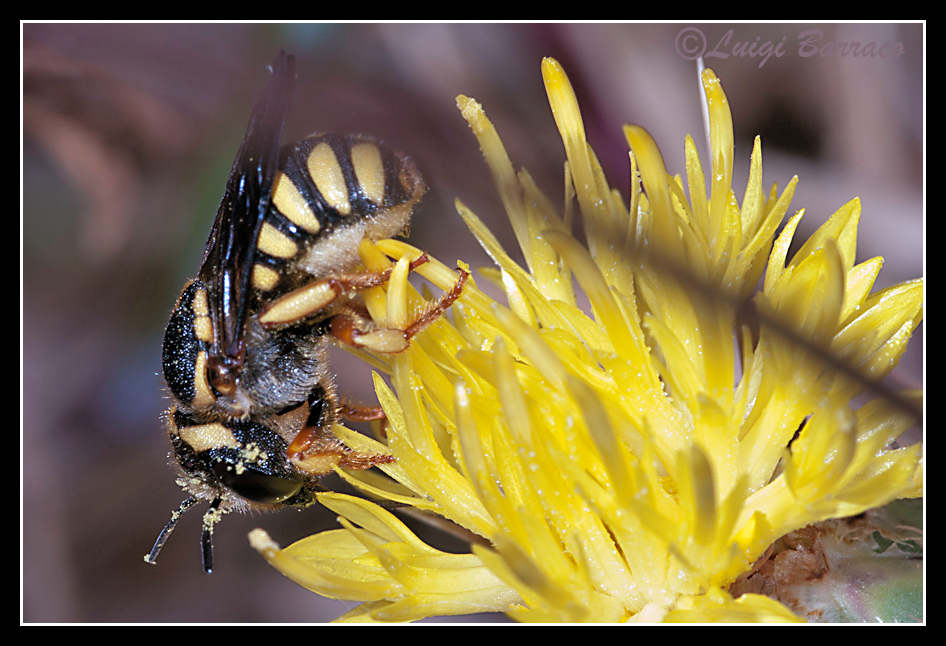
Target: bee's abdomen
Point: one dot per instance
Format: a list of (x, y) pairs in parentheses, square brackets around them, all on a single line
[(328, 183)]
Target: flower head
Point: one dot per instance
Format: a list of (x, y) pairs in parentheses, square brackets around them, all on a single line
[(631, 459)]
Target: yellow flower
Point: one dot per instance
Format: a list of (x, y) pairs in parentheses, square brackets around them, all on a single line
[(628, 462)]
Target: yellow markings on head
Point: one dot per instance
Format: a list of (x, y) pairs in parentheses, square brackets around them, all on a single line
[(292, 204), (275, 242), (204, 437), (264, 278), (326, 172), (203, 396), (369, 169), (298, 304)]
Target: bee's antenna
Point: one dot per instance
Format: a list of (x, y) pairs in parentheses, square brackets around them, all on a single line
[(152, 556), (206, 536)]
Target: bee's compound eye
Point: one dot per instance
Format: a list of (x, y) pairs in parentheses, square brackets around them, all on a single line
[(258, 486), (251, 461)]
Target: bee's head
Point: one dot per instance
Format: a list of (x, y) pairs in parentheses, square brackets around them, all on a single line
[(241, 457), (199, 378), (235, 464)]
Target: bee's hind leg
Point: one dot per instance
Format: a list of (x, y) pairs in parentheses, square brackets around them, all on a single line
[(360, 332), (317, 296)]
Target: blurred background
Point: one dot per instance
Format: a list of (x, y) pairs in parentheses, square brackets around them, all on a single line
[(129, 131)]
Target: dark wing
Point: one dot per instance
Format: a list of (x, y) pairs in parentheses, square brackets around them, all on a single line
[(228, 257)]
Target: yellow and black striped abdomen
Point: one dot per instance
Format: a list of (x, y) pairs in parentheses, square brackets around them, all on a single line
[(328, 185)]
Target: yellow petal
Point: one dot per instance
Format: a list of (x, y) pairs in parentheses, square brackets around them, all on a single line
[(719, 607)]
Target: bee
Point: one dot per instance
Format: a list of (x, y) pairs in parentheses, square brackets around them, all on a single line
[(244, 353)]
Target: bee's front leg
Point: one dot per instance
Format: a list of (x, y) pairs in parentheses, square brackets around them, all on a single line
[(358, 413), (315, 449)]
